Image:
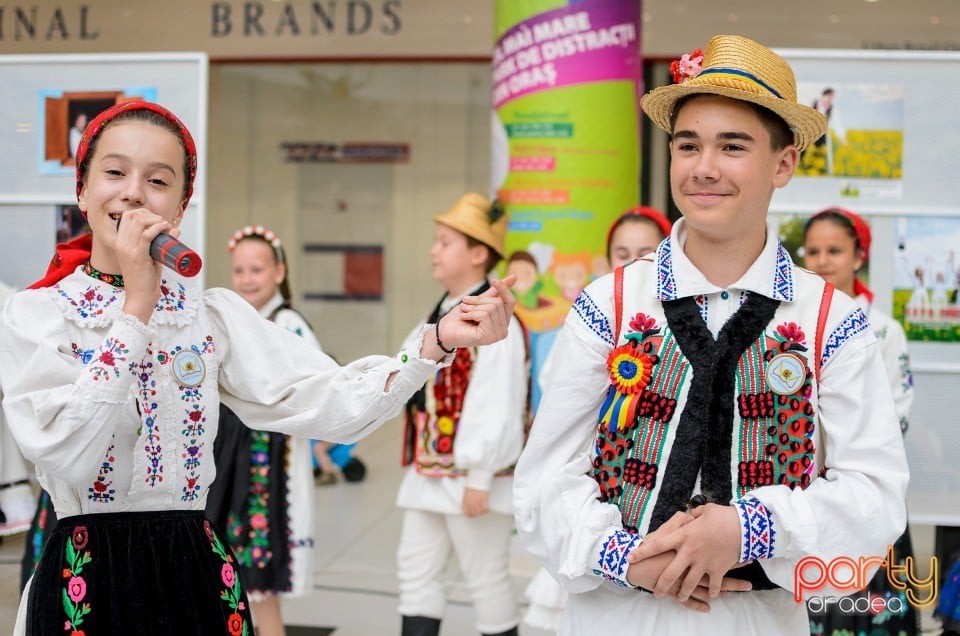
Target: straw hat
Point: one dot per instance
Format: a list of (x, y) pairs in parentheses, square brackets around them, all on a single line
[(739, 68), (474, 216)]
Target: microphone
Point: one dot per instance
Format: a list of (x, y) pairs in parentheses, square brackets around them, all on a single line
[(170, 252)]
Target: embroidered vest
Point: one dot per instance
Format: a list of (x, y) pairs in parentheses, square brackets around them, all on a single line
[(433, 413), (431, 427), (739, 412)]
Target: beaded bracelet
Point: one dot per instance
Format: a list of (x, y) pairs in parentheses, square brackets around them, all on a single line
[(436, 328)]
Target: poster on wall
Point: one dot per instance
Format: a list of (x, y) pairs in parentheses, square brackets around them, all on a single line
[(884, 150), (889, 157), (926, 278), (565, 147), (863, 146), (62, 117)]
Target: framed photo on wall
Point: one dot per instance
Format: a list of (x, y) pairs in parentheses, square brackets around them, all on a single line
[(63, 115)]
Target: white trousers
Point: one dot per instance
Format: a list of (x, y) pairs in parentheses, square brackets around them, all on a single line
[(482, 547)]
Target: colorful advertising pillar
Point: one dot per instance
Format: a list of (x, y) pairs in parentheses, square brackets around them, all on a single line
[(566, 86)]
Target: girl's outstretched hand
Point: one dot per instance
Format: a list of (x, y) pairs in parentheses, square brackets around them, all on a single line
[(480, 320)]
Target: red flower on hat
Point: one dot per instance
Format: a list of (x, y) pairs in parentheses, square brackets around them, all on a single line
[(689, 65)]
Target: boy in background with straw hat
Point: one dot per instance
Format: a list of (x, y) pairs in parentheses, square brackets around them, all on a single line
[(717, 414), (464, 432)]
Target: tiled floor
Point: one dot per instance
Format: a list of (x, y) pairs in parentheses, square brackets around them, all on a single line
[(355, 585)]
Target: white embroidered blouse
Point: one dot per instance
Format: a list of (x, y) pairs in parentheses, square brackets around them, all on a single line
[(121, 416), (896, 358)]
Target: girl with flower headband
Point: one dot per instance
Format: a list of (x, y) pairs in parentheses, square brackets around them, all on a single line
[(836, 245), (262, 496), (275, 302), (113, 370)]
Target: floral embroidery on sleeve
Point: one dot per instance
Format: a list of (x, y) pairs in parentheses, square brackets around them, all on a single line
[(85, 356), (108, 359)]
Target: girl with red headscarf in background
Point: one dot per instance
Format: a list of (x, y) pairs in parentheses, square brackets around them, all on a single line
[(836, 245)]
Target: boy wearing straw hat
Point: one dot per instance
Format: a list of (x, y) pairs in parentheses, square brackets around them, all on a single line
[(464, 433), (717, 414)]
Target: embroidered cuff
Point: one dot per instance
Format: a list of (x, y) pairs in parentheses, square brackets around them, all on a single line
[(612, 554), (756, 525)]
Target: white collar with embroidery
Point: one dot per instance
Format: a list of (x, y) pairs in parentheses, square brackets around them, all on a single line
[(93, 303), (771, 275)]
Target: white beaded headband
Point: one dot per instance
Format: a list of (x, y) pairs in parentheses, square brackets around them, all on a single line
[(262, 232)]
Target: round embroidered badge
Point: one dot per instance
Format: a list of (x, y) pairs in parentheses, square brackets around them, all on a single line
[(785, 374), (188, 368)]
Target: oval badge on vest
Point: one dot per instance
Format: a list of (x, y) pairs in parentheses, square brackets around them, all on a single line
[(188, 368), (786, 373)]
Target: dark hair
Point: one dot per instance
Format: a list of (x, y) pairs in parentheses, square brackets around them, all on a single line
[(522, 256), (780, 134), (838, 219), (631, 218), (279, 257), (150, 117), (493, 257)]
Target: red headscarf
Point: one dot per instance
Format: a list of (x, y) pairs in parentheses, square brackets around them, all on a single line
[(74, 253), (862, 231), (656, 216)]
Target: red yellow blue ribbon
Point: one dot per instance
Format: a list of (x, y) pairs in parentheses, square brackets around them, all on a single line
[(630, 372)]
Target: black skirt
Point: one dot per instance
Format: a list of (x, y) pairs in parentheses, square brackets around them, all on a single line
[(248, 501), (160, 573)]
